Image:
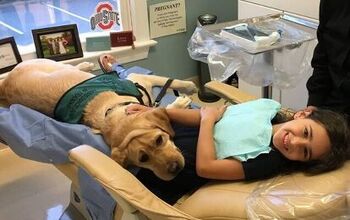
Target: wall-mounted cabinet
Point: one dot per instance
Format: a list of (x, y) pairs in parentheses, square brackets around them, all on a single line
[(307, 8)]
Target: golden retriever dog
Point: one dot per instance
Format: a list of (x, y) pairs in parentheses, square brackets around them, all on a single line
[(142, 139)]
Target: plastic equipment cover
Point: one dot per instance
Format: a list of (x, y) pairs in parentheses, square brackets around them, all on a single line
[(291, 197), (283, 63)]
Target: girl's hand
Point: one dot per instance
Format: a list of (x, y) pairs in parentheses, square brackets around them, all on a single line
[(135, 108), (213, 114)]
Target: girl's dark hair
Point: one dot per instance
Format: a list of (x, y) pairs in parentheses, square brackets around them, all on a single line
[(338, 132)]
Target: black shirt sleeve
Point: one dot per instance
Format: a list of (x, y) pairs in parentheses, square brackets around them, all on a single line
[(320, 83), (331, 60), (264, 166)]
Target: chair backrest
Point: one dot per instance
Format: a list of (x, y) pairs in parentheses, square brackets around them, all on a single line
[(124, 187)]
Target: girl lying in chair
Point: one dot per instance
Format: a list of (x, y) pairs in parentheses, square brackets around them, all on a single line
[(249, 141), (37, 137)]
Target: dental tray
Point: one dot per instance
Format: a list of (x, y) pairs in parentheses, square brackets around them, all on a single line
[(244, 33), (249, 36)]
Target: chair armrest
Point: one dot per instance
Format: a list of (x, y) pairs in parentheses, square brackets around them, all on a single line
[(228, 92), (125, 188), (234, 95)]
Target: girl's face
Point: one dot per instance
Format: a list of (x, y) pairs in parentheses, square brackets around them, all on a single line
[(301, 139)]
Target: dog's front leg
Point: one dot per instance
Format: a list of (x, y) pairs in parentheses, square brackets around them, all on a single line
[(85, 66), (183, 86), (182, 102)]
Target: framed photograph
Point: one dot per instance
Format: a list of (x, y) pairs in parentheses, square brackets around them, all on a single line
[(9, 55), (57, 43)]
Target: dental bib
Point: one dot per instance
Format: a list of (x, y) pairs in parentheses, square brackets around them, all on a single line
[(245, 130)]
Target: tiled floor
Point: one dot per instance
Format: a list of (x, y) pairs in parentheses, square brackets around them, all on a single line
[(35, 191)]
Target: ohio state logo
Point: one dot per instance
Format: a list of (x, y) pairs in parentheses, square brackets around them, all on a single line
[(105, 17)]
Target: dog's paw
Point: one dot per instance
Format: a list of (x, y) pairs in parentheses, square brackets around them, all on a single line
[(180, 102), (86, 66), (188, 88)]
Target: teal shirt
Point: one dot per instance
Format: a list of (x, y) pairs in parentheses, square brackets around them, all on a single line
[(245, 130), (71, 106)]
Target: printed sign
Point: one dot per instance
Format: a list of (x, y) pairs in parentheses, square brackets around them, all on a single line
[(7, 56), (122, 38), (167, 18), (105, 17)]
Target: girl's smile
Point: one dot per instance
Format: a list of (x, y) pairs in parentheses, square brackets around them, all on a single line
[(285, 141), (301, 139)]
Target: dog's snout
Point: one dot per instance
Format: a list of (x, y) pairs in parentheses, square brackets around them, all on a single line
[(174, 167)]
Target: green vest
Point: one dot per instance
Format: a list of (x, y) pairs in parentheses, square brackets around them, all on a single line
[(71, 105)]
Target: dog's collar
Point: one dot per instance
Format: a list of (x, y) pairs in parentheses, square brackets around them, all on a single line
[(109, 110)]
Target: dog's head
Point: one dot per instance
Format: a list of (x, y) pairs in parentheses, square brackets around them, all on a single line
[(144, 140)]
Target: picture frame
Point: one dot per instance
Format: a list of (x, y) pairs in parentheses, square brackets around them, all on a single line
[(9, 54), (57, 43)]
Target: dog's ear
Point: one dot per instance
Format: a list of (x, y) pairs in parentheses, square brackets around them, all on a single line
[(121, 141), (119, 135), (159, 118), (116, 133), (115, 136), (120, 156)]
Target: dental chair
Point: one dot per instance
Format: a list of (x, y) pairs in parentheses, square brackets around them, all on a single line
[(293, 196)]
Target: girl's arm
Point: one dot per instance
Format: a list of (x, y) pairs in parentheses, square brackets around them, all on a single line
[(206, 163), (189, 117)]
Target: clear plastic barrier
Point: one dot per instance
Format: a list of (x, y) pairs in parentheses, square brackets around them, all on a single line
[(291, 197), (259, 57)]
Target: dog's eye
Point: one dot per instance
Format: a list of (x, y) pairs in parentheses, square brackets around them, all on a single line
[(143, 157), (159, 141)]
